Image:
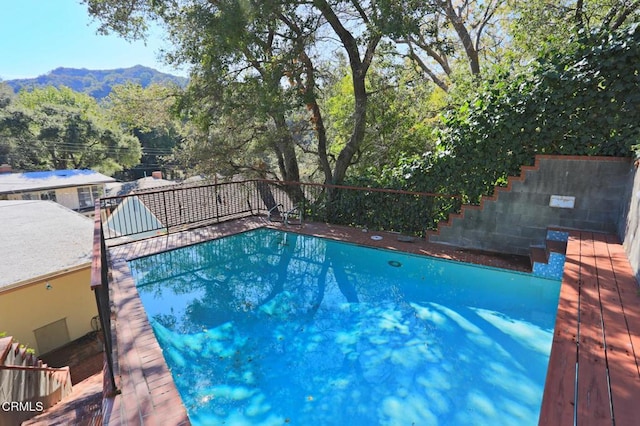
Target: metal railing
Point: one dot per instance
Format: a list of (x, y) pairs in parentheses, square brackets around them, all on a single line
[(378, 209), (100, 287), (152, 213), (33, 368)]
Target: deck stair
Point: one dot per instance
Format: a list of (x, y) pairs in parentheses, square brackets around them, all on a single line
[(27, 384), (547, 260)]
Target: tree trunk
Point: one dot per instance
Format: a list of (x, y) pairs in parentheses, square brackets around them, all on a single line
[(465, 38), (287, 160), (346, 155), (359, 67)]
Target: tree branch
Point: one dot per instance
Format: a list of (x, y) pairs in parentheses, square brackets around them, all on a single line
[(578, 17), (625, 14), (424, 67), (465, 38), (361, 11)]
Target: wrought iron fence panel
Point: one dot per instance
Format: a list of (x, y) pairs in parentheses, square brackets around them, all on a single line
[(171, 209)]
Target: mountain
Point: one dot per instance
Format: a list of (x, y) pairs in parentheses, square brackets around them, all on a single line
[(97, 83)]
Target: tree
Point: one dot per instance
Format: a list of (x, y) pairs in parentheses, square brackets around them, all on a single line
[(271, 53), (460, 38), (582, 102), (401, 115), (454, 32), (149, 114), (6, 98), (58, 129), (549, 23)]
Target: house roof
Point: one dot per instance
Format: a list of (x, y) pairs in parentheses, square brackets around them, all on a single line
[(39, 238), (34, 181), (142, 184)]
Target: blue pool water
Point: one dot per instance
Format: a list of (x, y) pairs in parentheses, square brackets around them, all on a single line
[(273, 328)]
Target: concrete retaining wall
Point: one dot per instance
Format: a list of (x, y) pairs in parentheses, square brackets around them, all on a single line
[(564, 191), (629, 222)]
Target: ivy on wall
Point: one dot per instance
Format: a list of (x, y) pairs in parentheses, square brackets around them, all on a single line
[(582, 102)]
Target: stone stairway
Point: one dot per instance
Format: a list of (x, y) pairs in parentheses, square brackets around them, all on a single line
[(565, 192), (27, 385)]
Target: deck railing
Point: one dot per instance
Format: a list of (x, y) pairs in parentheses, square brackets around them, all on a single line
[(376, 209), (151, 213), (125, 218), (100, 287)]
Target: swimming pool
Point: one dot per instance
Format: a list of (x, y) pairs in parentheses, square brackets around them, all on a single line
[(268, 327)]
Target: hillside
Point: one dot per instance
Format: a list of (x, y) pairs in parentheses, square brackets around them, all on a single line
[(97, 83)]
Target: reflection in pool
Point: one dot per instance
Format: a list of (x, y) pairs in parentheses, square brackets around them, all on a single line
[(268, 327)]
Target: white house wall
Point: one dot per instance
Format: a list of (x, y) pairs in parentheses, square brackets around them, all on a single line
[(68, 197)]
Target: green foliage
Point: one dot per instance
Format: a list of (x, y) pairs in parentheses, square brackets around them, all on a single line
[(257, 70), (584, 102), (549, 25), (148, 113), (27, 349), (380, 210), (246, 88), (59, 129), (270, 85), (401, 112)]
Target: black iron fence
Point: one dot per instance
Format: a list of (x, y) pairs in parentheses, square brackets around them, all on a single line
[(151, 213), (378, 209), (100, 287)]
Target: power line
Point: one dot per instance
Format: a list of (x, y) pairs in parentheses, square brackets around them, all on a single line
[(72, 148)]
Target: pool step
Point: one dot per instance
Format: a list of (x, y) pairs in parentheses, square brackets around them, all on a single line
[(548, 260), (541, 254), (538, 254)]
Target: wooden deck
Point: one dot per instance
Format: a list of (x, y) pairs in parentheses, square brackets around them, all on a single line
[(593, 376)]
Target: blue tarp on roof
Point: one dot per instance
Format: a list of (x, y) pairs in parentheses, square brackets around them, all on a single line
[(46, 174), (49, 179)]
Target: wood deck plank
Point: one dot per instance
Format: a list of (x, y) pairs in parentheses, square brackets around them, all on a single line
[(593, 402), (621, 351), (629, 292), (559, 394), (599, 269), (623, 372)]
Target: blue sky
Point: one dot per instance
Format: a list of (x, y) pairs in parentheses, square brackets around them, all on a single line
[(37, 36)]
